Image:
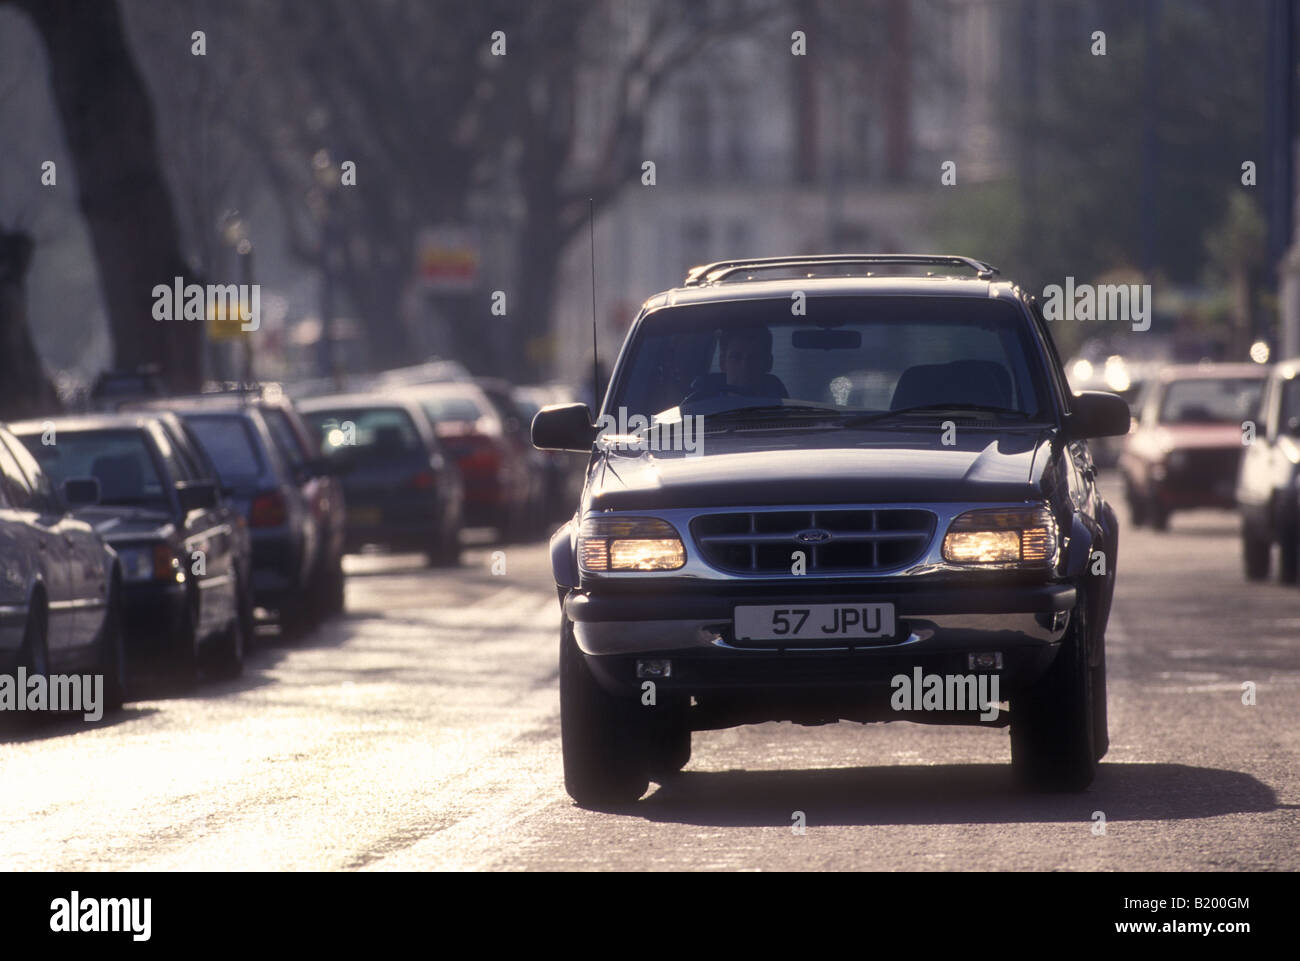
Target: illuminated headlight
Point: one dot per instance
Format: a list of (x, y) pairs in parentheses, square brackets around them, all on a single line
[(629, 544), (1015, 537)]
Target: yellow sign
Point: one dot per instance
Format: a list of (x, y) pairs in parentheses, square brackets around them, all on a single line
[(224, 320)]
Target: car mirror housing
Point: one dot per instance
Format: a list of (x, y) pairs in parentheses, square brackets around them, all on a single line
[(81, 491), (564, 427), (196, 495), (1098, 413)]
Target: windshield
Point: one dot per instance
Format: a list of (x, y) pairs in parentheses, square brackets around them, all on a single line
[(229, 444), (376, 432), (843, 355), (118, 459), (1217, 400)]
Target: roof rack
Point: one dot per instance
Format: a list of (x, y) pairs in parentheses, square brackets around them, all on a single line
[(712, 273)]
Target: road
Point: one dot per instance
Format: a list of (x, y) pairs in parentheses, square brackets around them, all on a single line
[(421, 731)]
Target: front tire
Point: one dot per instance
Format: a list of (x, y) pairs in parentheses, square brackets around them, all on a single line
[(112, 655), (601, 736), (1254, 555), (1054, 723)]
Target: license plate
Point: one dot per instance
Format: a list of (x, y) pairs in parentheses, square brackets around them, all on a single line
[(366, 516), (814, 622)]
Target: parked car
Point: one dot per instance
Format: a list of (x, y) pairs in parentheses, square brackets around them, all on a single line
[(813, 547), (275, 496), (402, 490), (1268, 484), (179, 544), (502, 480), (61, 584), (562, 472), (1184, 450), (320, 491)]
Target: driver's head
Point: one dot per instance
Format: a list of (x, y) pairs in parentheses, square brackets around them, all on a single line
[(745, 354)]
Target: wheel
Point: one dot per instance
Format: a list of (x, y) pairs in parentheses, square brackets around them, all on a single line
[(601, 736), (186, 665), (33, 656), (297, 616), (1254, 555), (445, 551), (228, 656), (329, 588), (1288, 557), (1053, 724), (112, 656), (670, 744), (1157, 514)]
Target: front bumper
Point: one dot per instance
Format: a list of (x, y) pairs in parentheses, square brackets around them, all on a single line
[(936, 630)]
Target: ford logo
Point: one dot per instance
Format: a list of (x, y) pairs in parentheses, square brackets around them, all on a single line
[(814, 536)]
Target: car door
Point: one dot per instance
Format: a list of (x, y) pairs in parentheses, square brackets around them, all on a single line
[(52, 552), (18, 554), (208, 539), (87, 570)]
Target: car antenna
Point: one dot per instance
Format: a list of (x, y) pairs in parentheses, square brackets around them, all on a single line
[(595, 357)]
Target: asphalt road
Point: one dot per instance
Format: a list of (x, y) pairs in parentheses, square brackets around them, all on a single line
[(421, 731)]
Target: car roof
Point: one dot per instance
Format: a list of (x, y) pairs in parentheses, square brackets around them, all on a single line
[(858, 286), (1172, 372), (79, 422), (395, 398)]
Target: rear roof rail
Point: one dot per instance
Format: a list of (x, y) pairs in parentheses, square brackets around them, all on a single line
[(722, 269)]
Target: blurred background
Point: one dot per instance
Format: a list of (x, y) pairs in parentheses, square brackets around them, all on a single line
[(384, 169)]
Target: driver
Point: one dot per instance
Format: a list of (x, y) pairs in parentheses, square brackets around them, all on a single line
[(745, 356)]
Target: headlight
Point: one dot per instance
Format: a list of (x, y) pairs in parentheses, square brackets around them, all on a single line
[(1014, 537), (629, 544), (137, 563), (149, 562)]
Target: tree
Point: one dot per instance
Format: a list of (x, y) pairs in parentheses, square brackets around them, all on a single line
[(25, 391), (109, 123)]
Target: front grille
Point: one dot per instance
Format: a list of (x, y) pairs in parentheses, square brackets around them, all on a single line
[(859, 542)]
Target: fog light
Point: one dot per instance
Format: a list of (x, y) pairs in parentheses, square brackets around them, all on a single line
[(658, 667), (984, 661)]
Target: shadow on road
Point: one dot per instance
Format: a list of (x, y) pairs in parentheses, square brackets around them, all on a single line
[(21, 728), (949, 794)]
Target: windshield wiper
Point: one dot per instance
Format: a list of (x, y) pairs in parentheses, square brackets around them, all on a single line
[(776, 415), (959, 409)]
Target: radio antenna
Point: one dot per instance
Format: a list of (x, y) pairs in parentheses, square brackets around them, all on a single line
[(595, 357)]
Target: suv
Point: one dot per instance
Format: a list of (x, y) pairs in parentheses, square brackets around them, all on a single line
[(819, 481), (1268, 485)]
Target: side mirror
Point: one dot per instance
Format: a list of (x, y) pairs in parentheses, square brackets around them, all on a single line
[(196, 495), (564, 427), (1097, 413), (81, 491)]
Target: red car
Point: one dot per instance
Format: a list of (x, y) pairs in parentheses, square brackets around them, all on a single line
[(501, 471), (1186, 441)]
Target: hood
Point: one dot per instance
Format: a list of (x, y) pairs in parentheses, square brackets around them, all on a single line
[(825, 467), (121, 524)]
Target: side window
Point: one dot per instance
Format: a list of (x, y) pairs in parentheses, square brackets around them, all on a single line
[(17, 491), (183, 461), (168, 454), (41, 494)]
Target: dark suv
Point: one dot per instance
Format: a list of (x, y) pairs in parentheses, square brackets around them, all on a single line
[(849, 487)]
